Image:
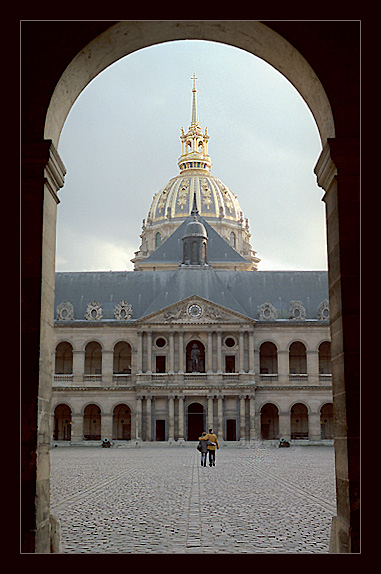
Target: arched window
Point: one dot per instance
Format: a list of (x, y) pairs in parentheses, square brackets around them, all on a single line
[(268, 359), (64, 359), (233, 239), (93, 359), (297, 359), (157, 239), (325, 358), (122, 358)]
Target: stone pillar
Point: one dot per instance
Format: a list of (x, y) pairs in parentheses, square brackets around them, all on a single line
[(313, 367), (252, 418), (42, 175), (181, 352), (241, 353), (106, 426), (171, 354), (210, 413), (181, 417), (338, 173), (149, 352), (219, 352), (78, 366), (220, 417), (283, 367), (76, 427), (140, 353), (256, 365), (285, 425), (107, 366), (251, 353), (242, 416), (149, 418), (210, 353), (314, 427), (138, 419), (171, 417)]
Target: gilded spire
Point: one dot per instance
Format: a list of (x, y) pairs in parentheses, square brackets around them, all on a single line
[(194, 102)]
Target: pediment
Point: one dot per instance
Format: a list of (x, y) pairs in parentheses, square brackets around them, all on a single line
[(195, 310)]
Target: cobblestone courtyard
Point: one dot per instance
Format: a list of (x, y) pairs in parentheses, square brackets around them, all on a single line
[(160, 500)]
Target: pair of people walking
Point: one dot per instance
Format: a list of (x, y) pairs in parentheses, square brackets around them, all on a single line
[(208, 444)]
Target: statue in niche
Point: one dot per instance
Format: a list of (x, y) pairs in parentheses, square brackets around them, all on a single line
[(195, 359)]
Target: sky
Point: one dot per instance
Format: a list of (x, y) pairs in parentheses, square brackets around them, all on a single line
[(121, 142)]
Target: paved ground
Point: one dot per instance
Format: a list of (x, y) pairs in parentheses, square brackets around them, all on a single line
[(160, 500)]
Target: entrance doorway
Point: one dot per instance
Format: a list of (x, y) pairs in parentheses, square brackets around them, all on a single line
[(231, 429), (62, 423), (269, 422), (122, 423), (160, 430), (195, 420)]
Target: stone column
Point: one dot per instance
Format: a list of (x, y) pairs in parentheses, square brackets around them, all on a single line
[(210, 413), (140, 353), (283, 367), (78, 366), (149, 418), (138, 419), (219, 352), (285, 425), (251, 353), (181, 352), (107, 366), (241, 353), (242, 416), (314, 427), (257, 369), (106, 426), (181, 417), (210, 353), (220, 417), (313, 367), (171, 353), (252, 418), (149, 352), (76, 427), (171, 417)]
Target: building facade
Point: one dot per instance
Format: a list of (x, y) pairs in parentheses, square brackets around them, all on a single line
[(195, 337)]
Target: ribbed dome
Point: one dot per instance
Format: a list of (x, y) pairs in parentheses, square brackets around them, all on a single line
[(214, 199)]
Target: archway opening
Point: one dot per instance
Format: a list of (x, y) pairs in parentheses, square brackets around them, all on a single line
[(93, 359), (298, 359), (269, 422), (326, 422), (299, 422), (195, 421), (268, 359), (92, 423), (122, 358), (64, 359), (62, 423), (121, 423)]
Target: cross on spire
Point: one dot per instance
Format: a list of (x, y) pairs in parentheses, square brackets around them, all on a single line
[(194, 81)]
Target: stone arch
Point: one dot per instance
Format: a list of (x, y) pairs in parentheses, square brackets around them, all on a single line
[(269, 421), (93, 358), (297, 358), (92, 422), (326, 421), (121, 422), (196, 363), (333, 50), (299, 421), (63, 364), (122, 358), (62, 422), (325, 358), (196, 420), (268, 358)]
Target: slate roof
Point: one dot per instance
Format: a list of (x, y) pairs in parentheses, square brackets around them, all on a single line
[(171, 250), (150, 291)]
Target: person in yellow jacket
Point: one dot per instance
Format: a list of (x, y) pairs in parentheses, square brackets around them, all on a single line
[(213, 443)]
